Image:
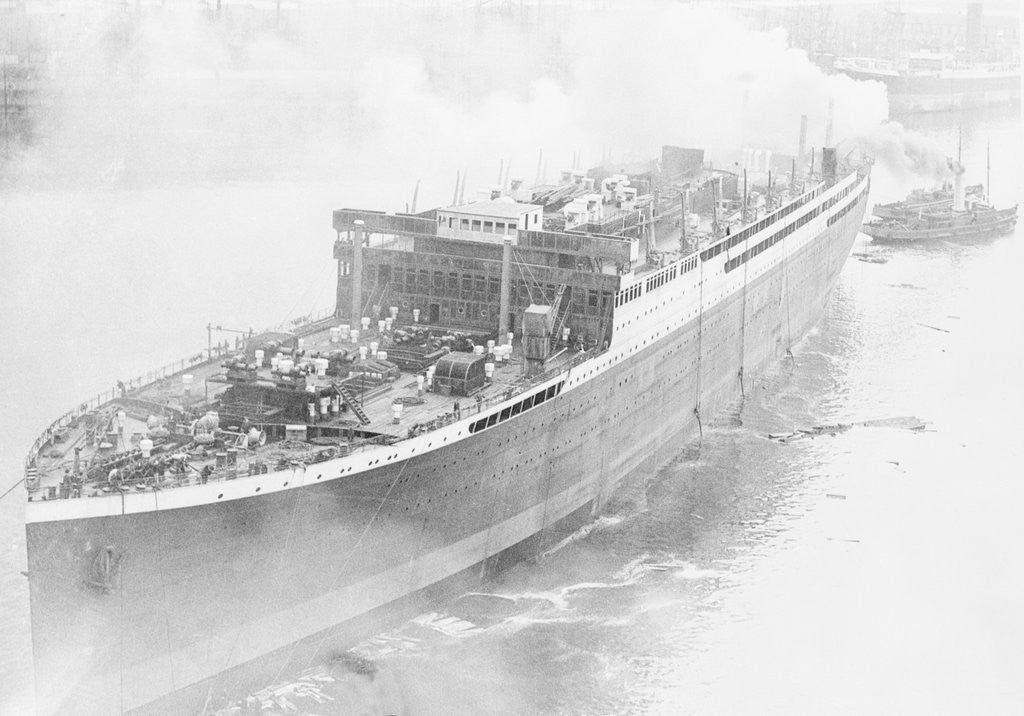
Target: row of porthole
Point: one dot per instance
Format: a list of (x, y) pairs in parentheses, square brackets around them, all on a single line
[(370, 463)]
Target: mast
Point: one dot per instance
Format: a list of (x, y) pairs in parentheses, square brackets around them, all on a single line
[(505, 297), (744, 195), (988, 172), (7, 136), (357, 272), (714, 206), (682, 224)]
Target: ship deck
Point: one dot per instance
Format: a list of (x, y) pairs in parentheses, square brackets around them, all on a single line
[(329, 436)]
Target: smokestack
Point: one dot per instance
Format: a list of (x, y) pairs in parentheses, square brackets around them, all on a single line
[(802, 147), (506, 287), (959, 193), (828, 164), (828, 121), (357, 271)]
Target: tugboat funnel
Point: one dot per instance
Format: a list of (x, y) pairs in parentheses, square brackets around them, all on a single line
[(959, 194)]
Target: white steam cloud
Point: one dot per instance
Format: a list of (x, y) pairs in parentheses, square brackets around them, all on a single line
[(401, 94)]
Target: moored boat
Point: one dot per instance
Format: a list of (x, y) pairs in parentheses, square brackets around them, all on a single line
[(978, 222), (961, 218), (921, 200)]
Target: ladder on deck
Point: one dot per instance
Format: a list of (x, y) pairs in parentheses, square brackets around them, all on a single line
[(561, 314), (350, 400), (376, 302)]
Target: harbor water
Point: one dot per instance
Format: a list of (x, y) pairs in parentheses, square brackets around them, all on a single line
[(870, 569)]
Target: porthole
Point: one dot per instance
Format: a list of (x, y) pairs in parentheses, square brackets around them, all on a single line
[(220, 495)]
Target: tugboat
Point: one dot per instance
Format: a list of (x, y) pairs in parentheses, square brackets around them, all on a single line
[(960, 219), (921, 200)]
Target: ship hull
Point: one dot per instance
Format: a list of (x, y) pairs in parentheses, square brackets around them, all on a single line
[(227, 594), (911, 95)]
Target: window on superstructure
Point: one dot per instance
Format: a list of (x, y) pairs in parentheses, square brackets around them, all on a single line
[(479, 283), (476, 225), (453, 281), (467, 282), (489, 227), (424, 280), (464, 224)]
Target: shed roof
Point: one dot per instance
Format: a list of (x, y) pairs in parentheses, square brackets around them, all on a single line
[(504, 208)]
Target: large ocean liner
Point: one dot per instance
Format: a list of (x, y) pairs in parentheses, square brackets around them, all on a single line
[(492, 370), (935, 82)]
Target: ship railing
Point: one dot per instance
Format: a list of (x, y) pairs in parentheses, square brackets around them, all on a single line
[(123, 388), (180, 366), (303, 325)]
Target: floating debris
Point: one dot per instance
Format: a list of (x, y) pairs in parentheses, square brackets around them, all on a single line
[(934, 328), (910, 286), (835, 497), (901, 423)]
